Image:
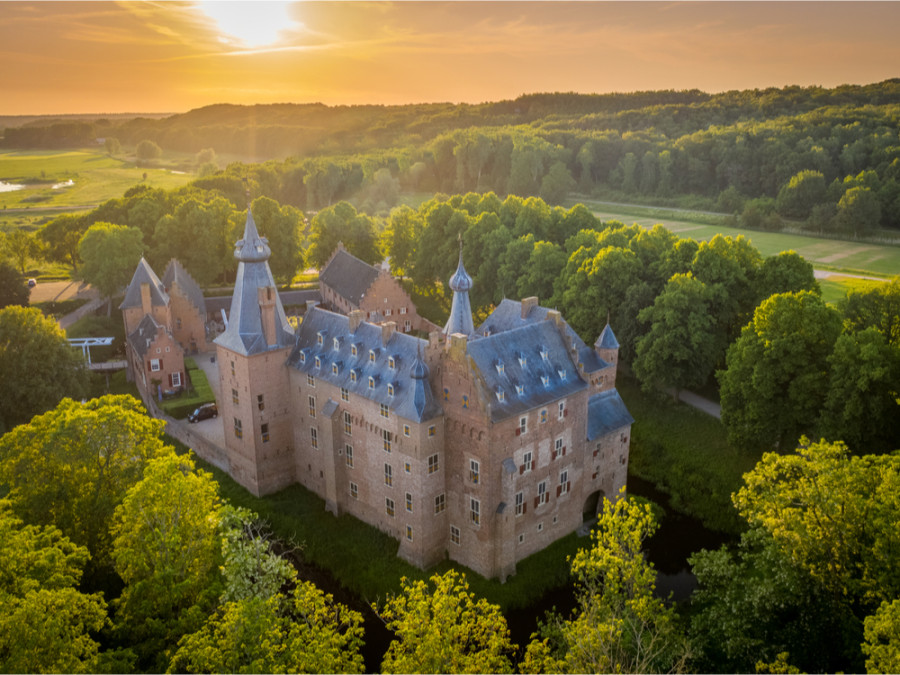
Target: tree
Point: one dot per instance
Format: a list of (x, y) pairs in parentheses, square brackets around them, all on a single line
[(682, 346), (787, 272), (13, 289), (72, 466), (166, 549), (342, 223), (801, 193), (619, 625), (882, 645), (112, 145), (147, 151), (37, 365), (440, 627), (858, 210), (306, 632), (862, 406), (60, 238), (21, 246), (876, 306), (205, 156), (110, 254), (398, 241), (544, 266), (46, 623), (774, 383), (281, 226), (557, 184)]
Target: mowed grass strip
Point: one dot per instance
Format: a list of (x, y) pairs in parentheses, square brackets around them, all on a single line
[(859, 257)]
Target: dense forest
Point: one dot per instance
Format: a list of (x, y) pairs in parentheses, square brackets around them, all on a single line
[(827, 159)]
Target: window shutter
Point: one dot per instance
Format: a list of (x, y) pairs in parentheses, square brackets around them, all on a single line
[(564, 451), (536, 501), (170, 379), (566, 412), (553, 455), (524, 507), (558, 490), (568, 485), (521, 469), (518, 431)]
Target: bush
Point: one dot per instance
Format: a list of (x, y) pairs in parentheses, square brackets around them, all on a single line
[(197, 392)]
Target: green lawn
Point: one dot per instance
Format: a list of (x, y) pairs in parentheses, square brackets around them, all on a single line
[(836, 287), (95, 178), (856, 257)]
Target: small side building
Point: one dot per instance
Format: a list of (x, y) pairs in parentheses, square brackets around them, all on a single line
[(156, 359)]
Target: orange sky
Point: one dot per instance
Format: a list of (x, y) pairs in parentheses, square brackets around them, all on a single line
[(75, 57)]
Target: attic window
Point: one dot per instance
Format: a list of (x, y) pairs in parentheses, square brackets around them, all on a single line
[(520, 390), (353, 350), (318, 362), (392, 362), (336, 343), (390, 389), (320, 338), (545, 355), (353, 375), (500, 368), (562, 374), (545, 380), (371, 356), (302, 357), (487, 332), (371, 382), (335, 368), (522, 360), (501, 395)]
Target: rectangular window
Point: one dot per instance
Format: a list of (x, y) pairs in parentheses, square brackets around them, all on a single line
[(310, 380), (523, 426), (348, 427), (543, 415), (409, 533), (520, 503), (388, 475), (409, 502), (407, 326), (387, 312), (345, 395), (433, 464), (235, 398), (406, 430), (475, 511), (232, 368), (349, 450), (432, 430), (542, 496), (264, 429), (260, 402), (154, 365), (354, 490), (527, 463), (389, 506), (312, 406), (563, 487), (176, 379), (371, 382), (386, 440), (238, 429), (385, 411), (562, 410), (406, 467), (558, 448), (403, 310), (440, 503), (454, 535), (314, 437), (474, 470)]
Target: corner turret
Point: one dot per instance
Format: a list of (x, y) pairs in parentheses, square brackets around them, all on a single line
[(460, 320)]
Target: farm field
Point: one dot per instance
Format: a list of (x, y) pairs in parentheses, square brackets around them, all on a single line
[(59, 181), (855, 257)]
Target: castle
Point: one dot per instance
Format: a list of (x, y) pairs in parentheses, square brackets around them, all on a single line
[(482, 444)]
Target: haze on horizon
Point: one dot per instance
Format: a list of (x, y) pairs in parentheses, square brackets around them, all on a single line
[(110, 57)]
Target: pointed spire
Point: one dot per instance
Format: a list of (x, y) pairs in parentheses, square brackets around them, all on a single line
[(252, 248), (460, 320)]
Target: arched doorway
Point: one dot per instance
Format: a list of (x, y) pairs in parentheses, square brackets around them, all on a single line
[(592, 506)]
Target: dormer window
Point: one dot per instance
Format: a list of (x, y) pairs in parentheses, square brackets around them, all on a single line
[(500, 368), (371, 356), (562, 374), (353, 375), (318, 362), (302, 357), (545, 380), (501, 395), (335, 368), (390, 389), (371, 382), (392, 362), (545, 355), (353, 350), (520, 390), (336, 343), (522, 360), (320, 338)]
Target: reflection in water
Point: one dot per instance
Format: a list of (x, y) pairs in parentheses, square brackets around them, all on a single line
[(65, 183), (10, 187)]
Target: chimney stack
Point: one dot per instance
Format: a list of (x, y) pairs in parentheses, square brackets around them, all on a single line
[(266, 295), (146, 302), (387, 329), (528, 304), (356, 317)]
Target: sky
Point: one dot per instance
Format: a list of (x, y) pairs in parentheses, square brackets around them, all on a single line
[(152, 56)]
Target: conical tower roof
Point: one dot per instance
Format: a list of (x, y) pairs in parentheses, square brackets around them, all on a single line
[(144, 274), (607, 339), (460, 320)]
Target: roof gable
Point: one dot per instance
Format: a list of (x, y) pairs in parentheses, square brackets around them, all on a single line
[(399, 378), (176, 275), (144, 335), (607, 413), (348, 276), (144, 274)]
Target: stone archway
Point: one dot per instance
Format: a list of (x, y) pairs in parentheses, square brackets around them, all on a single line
[(592, 505)]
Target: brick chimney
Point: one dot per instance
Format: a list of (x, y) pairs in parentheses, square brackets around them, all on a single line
[(146, 302), (528, 304), (387, 329), (356, 317)]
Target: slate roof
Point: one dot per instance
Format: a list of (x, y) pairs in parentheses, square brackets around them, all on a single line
[(176, 274), (527, 367), (244, 332), (606, 413), (143, 336), (508, 316), (460, 320), (606, 339), (412, 398), (349, 276), (144, 274)]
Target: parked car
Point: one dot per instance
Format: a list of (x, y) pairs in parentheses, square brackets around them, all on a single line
[(204, 412), (32, 283)]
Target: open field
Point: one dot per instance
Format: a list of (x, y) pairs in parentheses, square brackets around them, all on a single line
[(75, 180), (856, 257)]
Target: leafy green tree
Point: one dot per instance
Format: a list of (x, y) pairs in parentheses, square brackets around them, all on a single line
[(46, 623), (72, 466), (544, 266), (440, 627), (112, 145), (858, 210), (205, 156), (398, 241), (21, 246), (147, 151), (681, 348), (166, 549), (557, 184), (342, 223), (862, 406), (13, 289), (787, 272), (281, 226), (773, 387), (882, 645), (60, 238), (801, 193), (877, 306), (110, 254), (619, 625), (38, 366)]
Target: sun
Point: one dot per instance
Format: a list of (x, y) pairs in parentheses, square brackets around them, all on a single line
[(251, 24)]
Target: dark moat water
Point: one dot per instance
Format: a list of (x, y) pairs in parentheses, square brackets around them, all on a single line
[(677, 538)]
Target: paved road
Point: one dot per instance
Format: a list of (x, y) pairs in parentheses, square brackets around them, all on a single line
[(698, 402)]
